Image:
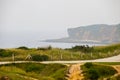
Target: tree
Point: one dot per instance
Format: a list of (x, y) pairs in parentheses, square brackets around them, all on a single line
[(23, 47)]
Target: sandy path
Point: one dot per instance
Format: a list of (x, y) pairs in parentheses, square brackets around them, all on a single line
[(109, 59), (117, 67), (75, 72)]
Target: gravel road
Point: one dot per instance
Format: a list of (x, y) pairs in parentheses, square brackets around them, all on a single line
[(109, 59)]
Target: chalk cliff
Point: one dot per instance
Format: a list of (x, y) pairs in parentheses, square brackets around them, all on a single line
[(98, 33)]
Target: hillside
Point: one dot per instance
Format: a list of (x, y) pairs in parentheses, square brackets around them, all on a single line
[(56, 54), (81, 71), (33, 71), (98, 33)]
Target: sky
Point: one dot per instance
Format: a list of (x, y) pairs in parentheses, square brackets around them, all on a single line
[(33, 20)]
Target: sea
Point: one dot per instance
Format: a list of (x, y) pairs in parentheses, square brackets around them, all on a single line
[(35, 44)]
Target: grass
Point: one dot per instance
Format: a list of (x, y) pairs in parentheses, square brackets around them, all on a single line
[(94, 71), (33, 70), (109, 48), (108, 63), (61, 54), (28, 71)]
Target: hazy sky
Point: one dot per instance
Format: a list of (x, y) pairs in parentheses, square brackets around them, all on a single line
[(25, 20)]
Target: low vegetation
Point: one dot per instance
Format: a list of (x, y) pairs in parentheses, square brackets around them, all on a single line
[(5, 53), (82, 48), (97, 49), (23, 47), (30, 71), (49, 53), (93, 71), (108, 63), (38, 57), (115, 78), (37, 71)]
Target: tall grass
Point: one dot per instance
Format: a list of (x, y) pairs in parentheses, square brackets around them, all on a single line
[(33, 70), (63, 54)]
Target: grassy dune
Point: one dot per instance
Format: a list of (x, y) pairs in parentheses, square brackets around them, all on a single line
[(76, 53), (35, 71), (96, 71), (31, 71)]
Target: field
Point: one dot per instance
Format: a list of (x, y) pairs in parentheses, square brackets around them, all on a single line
[(101, 71), (52, 54), (37, 71), (33, 71)]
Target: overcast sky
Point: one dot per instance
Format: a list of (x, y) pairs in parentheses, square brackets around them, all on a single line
[(24, 20)]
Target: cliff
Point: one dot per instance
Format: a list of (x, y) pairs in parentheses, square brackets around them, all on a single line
[(99, 33)]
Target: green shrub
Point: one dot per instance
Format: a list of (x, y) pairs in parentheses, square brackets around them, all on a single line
[(43, 71), (82, 48), (58, 76), (38, 57), (88, 65), (105, 70), (44, 48), (105, 49), (23, 47), (5, 53), (94, 71), (92, 74), (34, 68)]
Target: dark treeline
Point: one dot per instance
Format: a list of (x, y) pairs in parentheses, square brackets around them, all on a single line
[(39, 48), (44, 48), (82, 48)]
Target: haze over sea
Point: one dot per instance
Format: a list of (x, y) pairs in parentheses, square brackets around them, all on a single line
[(35, 44), (26, 22)]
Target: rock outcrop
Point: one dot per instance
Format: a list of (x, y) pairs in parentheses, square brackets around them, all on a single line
[(99, 33)]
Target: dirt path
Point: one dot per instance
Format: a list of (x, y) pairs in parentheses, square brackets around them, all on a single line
[(117, 67), (109, 59), (75, 72)]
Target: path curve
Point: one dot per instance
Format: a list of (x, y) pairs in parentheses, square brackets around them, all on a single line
[(109, 59)]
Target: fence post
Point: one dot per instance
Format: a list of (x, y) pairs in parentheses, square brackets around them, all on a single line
[(13, 57), (91, 55), (99, 53), (52, 56), (71, 55), (61, 56), (81, 55)]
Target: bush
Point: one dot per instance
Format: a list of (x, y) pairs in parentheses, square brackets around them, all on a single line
[(38, 57), (23, 47), (34, 68), (49, 47), (88, 65), (94, 71), (44, 48), (5, 53), (39, 71), (93, 74), (82, 48)]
